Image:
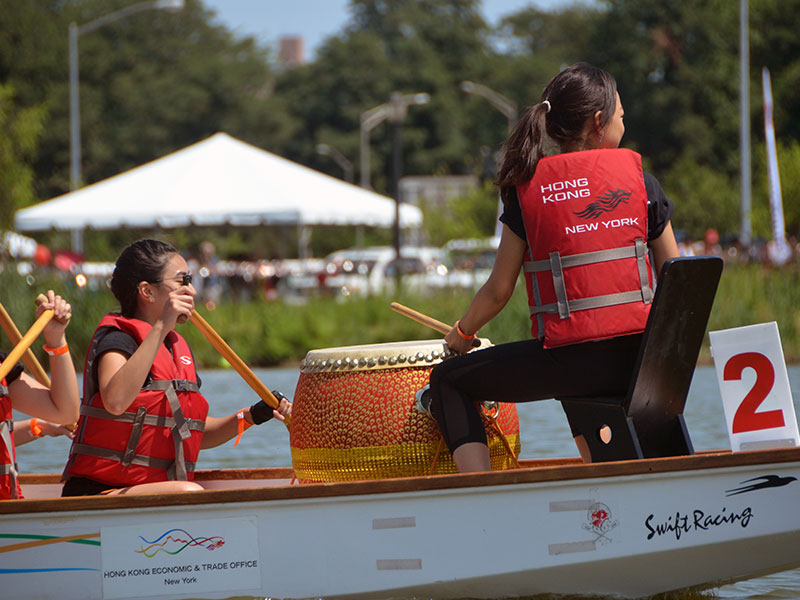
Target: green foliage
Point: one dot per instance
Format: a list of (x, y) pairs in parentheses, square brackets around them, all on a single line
[(789, 168), (155, 82), (703, 198), (20, 129), (471, 216)]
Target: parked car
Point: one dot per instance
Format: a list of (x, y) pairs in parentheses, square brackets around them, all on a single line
[(373, 270), (469, 263)]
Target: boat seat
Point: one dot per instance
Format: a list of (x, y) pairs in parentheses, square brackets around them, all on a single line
[(648, 421)]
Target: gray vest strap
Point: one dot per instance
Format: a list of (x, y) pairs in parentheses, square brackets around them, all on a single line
[(563, 305), (585, 258), (136, 459), (180, 431), (3, 390), (181, 427), (6, 428)]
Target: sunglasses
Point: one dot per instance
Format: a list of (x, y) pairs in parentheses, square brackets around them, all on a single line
[(185, 279)]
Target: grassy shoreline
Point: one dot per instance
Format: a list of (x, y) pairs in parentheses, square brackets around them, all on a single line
[(277, 333)]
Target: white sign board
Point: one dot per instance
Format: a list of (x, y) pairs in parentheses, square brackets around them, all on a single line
[(183, 557), (755, 387)]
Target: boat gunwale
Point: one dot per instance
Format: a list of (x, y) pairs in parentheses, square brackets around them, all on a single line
[(534, 471)]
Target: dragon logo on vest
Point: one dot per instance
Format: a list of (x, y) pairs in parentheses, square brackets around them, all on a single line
[(604, 204)]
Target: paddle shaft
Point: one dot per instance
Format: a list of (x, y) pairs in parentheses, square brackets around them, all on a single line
[(25, 343), (439, 326), (237, 363), (28, 357)]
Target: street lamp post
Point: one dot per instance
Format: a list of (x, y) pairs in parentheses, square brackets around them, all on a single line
[(745, 231), (395, 110), (75, 31), (374, 116), (505, 105), (339, 158)]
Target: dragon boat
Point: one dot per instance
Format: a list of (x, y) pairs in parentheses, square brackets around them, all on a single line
[(372, 508)]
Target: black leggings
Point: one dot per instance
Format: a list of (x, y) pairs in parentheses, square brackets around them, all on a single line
[(522, 372)]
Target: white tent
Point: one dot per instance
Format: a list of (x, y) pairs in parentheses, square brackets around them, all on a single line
[(220, 180)]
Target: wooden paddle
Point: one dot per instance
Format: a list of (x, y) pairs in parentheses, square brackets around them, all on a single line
[(26, 341), (439, 326), (28, 357), (237, 363)]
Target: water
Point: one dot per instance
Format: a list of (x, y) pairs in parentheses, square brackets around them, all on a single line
[(543, 429)]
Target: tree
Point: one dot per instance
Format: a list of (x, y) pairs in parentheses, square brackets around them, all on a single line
[(407, 46), (20, 129)]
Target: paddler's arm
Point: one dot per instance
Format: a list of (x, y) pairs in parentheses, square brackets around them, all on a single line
[(664, 247), (494, 294), (61, 402), (32, 429), (119, 377), (221, 429)]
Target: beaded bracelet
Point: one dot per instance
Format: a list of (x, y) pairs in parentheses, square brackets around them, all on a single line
[(463, 335)]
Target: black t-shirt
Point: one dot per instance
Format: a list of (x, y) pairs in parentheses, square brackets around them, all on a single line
[(114, 340), (659, 210), (14, 373)]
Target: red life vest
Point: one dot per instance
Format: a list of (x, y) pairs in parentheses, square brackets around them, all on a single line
[(587, 269), (9, 486), (158, 436)]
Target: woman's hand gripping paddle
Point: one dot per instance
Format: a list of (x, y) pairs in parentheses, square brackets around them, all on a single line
[(237, 363), (26, 341), (439, 326), (28, 357)]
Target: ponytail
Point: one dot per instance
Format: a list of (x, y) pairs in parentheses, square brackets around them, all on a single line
[(569, 100), (523, 149)]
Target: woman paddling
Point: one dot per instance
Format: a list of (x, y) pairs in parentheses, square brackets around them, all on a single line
[(579, 223), (143, 419), (19, 391)]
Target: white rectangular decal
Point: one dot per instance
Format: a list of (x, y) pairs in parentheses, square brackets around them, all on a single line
[(184, 557), (754, 386)]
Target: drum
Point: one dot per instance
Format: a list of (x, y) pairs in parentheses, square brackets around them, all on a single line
[(355, 415)]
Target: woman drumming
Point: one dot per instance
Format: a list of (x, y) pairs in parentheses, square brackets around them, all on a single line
[(579, 223), (21, 392), (143, 419)]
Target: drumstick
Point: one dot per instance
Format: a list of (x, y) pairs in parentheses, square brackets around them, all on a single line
[(439, 326), (25, 342), (237, 363), (29, 358)]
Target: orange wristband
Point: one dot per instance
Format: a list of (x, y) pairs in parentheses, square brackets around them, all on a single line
[(241, 426), (36, 430), (56, 351), (463, 335)]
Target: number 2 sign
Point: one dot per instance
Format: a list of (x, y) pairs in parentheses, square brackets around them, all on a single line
[(755, 387)]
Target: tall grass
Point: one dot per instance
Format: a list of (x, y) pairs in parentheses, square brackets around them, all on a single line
[(271, 333)]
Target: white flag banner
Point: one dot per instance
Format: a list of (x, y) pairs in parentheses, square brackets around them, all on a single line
[(778, 248)]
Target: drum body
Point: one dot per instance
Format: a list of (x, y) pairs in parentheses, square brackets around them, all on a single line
[(355, 415)]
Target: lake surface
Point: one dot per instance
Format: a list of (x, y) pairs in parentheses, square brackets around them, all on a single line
[(543, 430)]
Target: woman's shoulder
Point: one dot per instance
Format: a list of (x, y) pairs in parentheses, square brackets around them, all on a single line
[(652, 184), (113, 339)]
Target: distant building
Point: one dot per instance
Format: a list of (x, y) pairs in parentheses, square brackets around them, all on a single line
[(290, 51), (435, 191)]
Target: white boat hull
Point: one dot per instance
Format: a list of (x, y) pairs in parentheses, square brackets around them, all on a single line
[(626, 529)]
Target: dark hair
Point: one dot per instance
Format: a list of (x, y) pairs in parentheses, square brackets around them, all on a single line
[(143, 260), (572, 97)]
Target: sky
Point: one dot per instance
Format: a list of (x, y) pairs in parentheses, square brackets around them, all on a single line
[(315, 20)]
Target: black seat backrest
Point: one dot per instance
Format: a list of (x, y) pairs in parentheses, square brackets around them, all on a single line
[(670, 346), (648, 421)]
